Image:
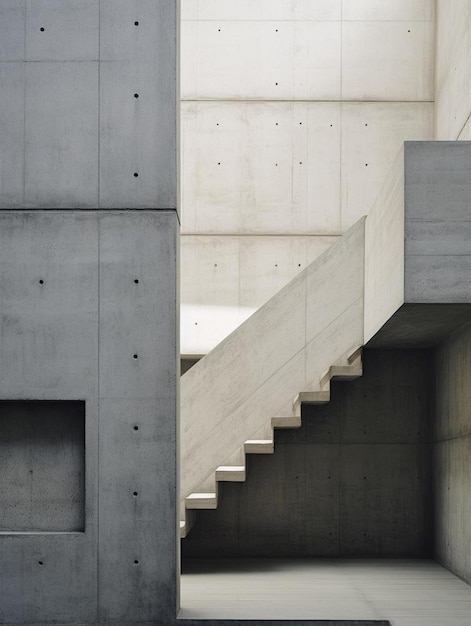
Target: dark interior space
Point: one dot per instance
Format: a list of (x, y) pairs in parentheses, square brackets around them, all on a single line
[(382, 470), (42, 452), (354, 480)]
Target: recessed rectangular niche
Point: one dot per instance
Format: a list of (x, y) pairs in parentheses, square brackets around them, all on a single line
[(42, 465)]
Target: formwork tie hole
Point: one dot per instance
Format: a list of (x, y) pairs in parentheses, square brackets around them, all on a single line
[(136, 174), (41, 29), (134, 356), (136, 281)]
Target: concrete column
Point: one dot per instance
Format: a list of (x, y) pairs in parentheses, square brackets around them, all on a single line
[(88, 255)]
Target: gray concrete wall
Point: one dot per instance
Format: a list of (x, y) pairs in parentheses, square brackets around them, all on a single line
[(437, 225), (355, 479), (452, 454), (88, 302), (73, 132), (88, 312)]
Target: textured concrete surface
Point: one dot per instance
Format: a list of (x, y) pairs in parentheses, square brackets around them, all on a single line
[(74, 132), (292, 135), (284, 348), (421, 325), (354, 480), (452, 453), (434, 284), (403, 592), (224, 280), (42, 447), (88, 304), (384, 251), (437, 200), (453, 72)]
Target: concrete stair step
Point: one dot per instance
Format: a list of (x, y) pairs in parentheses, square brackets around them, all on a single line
[(259, 446), (201, 501), (231, 473), (293, 421), (310, 397), (346, 372)]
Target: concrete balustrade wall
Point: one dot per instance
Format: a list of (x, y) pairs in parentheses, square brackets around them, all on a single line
[(87, 104), (384, 251), (292, 115), (284, 348)]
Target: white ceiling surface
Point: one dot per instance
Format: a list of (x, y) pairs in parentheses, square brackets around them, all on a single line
[(272, 173)]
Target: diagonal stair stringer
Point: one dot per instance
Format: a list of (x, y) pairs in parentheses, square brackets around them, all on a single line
[(230, 396), (266, 445)]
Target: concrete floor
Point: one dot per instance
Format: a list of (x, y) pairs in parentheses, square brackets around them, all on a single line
[(406, 592)]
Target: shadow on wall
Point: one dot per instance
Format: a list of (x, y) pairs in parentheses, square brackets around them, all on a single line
[(354, 480)]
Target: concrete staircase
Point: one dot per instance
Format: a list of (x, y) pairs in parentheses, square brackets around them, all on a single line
[(289, 350), (238, 473)]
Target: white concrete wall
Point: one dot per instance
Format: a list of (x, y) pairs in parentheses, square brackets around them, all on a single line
[(292, 114), (453, 70)]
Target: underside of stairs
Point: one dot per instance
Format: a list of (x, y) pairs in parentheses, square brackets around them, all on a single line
[(348, 369)]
